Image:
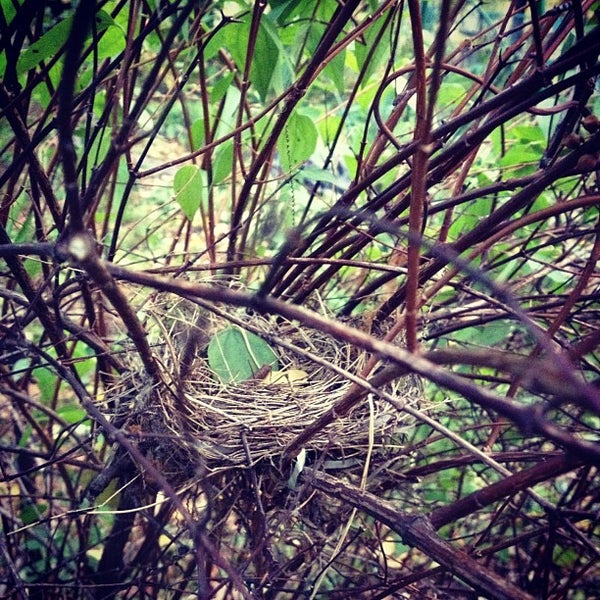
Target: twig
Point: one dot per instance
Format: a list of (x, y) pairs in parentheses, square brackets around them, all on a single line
[(509, 486), (82, 249)]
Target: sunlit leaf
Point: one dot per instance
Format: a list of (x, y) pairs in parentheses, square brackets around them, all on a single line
[(72, 413), (289, 377), (187, 184), (297, 142), (335, 71), (111, 43)]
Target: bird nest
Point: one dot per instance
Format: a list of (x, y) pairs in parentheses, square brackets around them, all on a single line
[(191, 422)]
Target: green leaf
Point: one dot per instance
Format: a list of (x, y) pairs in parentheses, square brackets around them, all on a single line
[(223, 162), (31, 513), (283, 10), (566, 558), (220, 88), (490, 334), (72, 413), (265, 61), (47, 381), (20, 366), (197, 134), (53, 40), (364, 51), (450, 94), (523, 158), (335, 71), (235, 354), (111, 43), (48, 45), (9, 8), (266, 54), (97, 152), (187, 184), (297, 142), (316, 174), (85, 361)]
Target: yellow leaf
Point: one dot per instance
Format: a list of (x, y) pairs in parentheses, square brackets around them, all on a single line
[(287, 376)]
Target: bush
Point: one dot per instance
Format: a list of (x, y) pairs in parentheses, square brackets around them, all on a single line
[(360, 236)]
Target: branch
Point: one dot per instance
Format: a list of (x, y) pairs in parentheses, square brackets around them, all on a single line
[(417, 531), (81, 248), (82, 22), (509, 486)]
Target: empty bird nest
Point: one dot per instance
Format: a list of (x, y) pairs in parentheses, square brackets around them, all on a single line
[(236, 388)]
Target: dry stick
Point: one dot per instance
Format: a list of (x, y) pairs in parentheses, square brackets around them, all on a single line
[(418, 531), (82, 249), (513, 101), (341, 542), (386, 127), (497, 359), (422, 138), (443, 255), (13, 574), (456, 189), (547, 469), (586, 345), (546, 213), (574, 296), (82, 23), (208, 216), (37, 306), (441, 164), (537, 375), (257, 12), (519, 223), (507, 456), (336, 48), (49, 442), (545, 178), (89, 338), (392, 372), (121, 140), (36, 170), (361, 387), (366, 159), (418, 178), (293, 96)]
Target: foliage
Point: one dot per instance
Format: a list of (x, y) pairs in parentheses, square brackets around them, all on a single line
[(416, 179)]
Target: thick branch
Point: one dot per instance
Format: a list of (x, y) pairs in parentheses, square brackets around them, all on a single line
[(417, 531)]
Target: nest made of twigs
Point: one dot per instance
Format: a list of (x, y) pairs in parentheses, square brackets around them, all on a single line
[(190, 421)]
